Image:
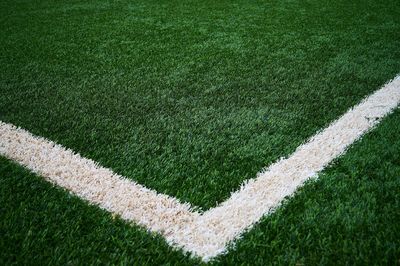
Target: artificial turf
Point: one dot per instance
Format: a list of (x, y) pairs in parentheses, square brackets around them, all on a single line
[(349, 216), (190, 98)]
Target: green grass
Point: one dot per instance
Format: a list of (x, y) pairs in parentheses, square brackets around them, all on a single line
[(191, 98), (349, 216), (41, 224)]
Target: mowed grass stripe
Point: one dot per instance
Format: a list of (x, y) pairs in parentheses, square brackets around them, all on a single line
[(205, 235), (245, 84)]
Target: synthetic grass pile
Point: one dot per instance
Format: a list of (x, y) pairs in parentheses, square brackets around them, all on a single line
[(350, 215), (190, 98), (205, 235)]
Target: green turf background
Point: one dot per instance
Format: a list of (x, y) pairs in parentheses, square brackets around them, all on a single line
[(349, 216), (190, 98)]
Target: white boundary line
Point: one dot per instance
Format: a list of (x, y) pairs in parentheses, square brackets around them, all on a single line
[(205, 235)]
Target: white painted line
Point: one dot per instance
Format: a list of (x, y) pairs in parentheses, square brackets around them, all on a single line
[(96, 184), (205, 235)]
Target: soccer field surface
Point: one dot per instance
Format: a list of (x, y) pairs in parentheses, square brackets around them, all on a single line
[(190, 99)]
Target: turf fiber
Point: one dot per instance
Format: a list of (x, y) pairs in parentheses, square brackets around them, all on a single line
[(349, 216), (191, 98)]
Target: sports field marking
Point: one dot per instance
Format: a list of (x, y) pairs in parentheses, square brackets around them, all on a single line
[(204, 234)]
